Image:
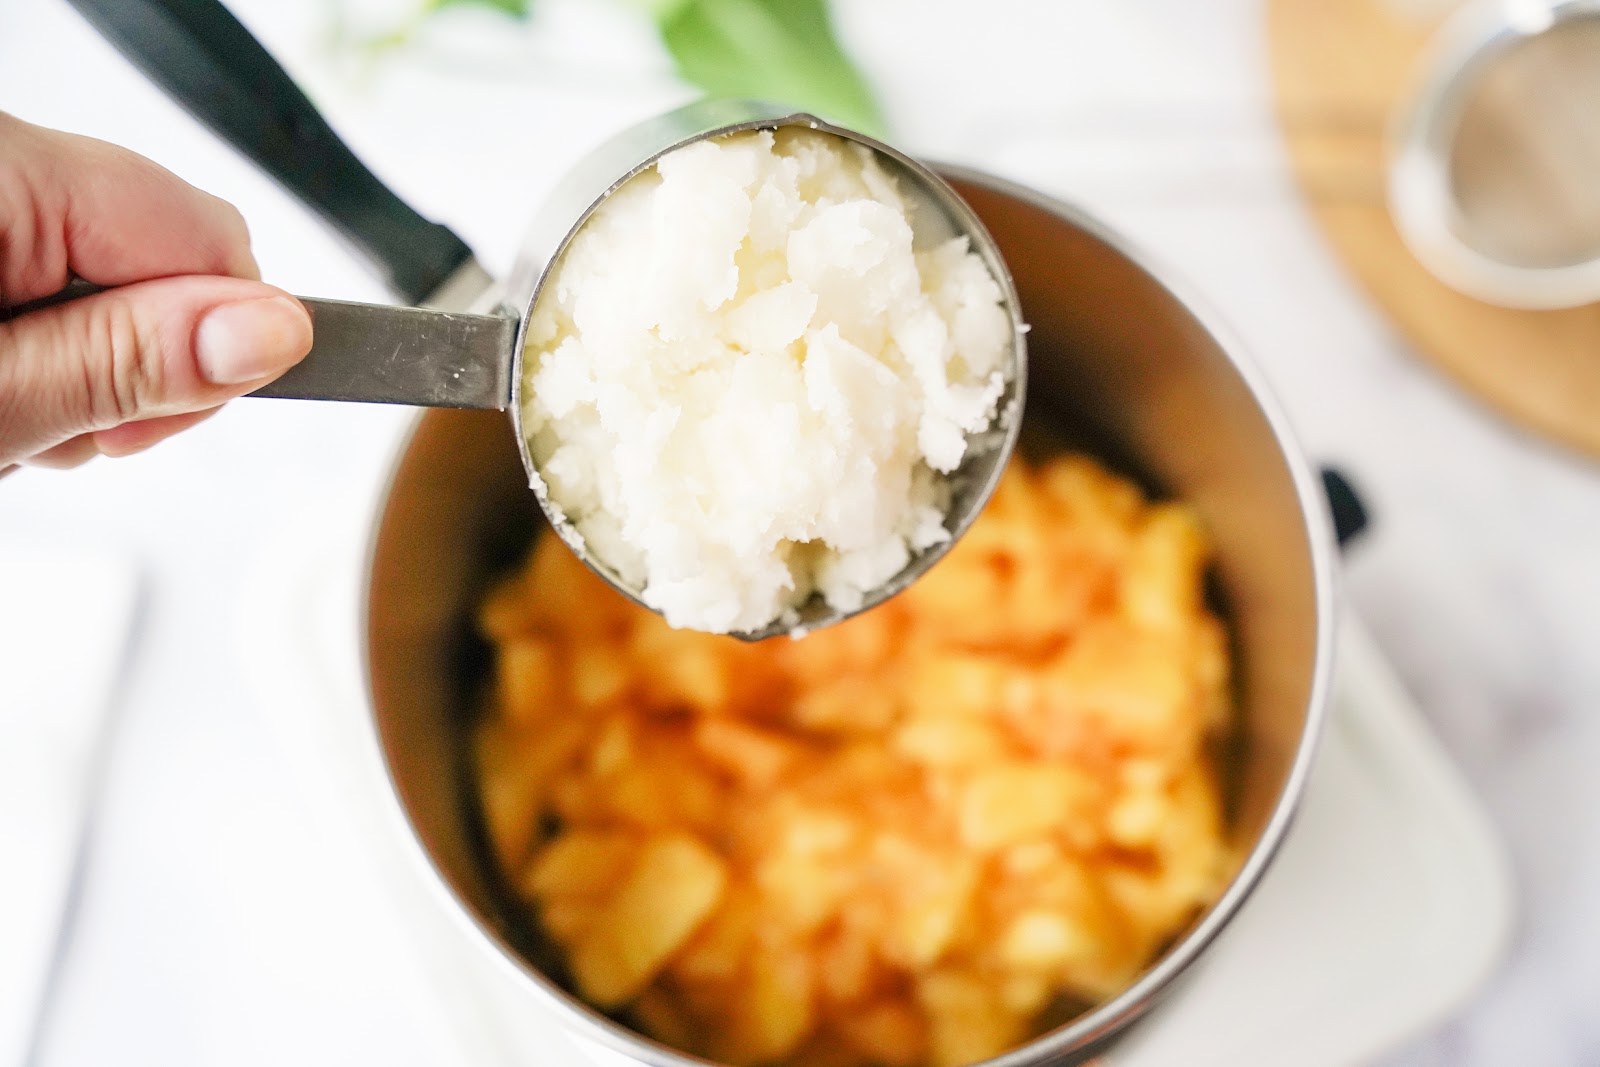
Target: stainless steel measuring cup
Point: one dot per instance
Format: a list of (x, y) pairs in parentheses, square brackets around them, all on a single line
[(462, 345)]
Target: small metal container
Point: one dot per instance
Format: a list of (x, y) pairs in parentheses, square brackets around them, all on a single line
[(1467, 86), (1122, 364)]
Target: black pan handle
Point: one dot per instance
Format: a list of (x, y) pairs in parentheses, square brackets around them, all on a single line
[(1350, 517), (201, 55)]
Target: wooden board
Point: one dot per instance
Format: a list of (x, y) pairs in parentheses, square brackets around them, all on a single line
[(1340, 69)]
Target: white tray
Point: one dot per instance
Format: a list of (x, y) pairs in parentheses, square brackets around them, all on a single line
[(1388, 906)]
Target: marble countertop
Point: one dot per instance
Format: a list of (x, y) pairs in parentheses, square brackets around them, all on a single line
[(202, 899)]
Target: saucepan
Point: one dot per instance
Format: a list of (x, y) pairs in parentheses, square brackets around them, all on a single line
[(1124, 362)]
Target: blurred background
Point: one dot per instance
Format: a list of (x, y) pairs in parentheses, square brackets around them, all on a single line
[(210, 913)]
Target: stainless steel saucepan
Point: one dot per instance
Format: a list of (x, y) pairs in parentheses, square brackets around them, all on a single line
[(1122, 364)]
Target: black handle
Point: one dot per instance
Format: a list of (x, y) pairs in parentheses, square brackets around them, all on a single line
[(1350, 517), (200, 54)]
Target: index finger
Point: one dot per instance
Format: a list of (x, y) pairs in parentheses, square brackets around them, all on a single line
[(73, 205)]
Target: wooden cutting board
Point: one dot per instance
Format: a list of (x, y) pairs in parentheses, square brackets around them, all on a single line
[(1340, 69)]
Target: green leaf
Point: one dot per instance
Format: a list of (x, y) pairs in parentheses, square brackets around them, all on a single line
[(779, 50), (661, 10), (515, 8)]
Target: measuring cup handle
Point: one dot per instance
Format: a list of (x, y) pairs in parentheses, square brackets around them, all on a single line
[(209, 63), (379, 354)]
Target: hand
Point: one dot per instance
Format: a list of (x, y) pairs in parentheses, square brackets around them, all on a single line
[(188, 326)]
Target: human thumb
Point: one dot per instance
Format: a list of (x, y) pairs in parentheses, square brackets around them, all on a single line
[(140, 352)]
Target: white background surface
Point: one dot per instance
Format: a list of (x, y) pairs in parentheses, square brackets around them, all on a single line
[(210, 929), (64, 634)]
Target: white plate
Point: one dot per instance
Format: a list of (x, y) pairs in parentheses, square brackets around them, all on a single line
[(1389, 904)]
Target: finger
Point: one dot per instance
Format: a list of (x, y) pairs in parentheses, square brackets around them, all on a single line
[(133, 437), (118, 441), (72, 205), (73, 452), (140, 352)]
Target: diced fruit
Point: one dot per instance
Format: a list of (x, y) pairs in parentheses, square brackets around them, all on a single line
[(568, 919), (1161, 583), (723, 943), (514, 771), (896, 842), (1136, 684), (1135, 819), (673, 887), (1210, 672), (509, 793), (684, 671), (803, 891), (1035, 857), (853, 647), (1012, 804), (967, 1023), (663, 1018), (757, 757), (1025, 994), (890, 1032), (801, 872), (1014, 491), (959, 685), (581, 863), (847, 705), (600, 675), (1188, 847), (773, 1011), (613, 747), (656, 795), (921, 933), (1043, 939), (528, 678), (825, 1049), (846, 967), (809, 831), (700, 678), (504, 612), (941, 742), (1086, 492), (564, 596), (950, 599)]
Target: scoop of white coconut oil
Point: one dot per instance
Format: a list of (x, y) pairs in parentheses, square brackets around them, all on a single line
[(751, 374)]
